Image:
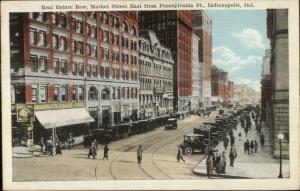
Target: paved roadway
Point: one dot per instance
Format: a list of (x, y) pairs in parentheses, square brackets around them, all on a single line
[(159, 159)]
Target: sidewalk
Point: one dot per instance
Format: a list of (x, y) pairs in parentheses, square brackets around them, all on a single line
[(22, 152), (255, 165)]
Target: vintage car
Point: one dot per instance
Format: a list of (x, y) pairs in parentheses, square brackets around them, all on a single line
[(194, 143), (171, 124)]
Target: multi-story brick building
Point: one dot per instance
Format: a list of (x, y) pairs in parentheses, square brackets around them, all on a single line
[(197, 76), (202, 26), (156, 76), (174, 30), (219, 84), (65, 60), (277, 32)]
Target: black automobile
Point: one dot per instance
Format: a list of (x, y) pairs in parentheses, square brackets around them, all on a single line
[(171, 124), (194, 143)]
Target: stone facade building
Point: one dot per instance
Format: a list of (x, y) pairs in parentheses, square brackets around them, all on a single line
[(156, 76), (277, 32), (202, 27), (197, 76), (266, 89), (68, 60), (174, 30)]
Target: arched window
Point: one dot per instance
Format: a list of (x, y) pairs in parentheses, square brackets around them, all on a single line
[(93, 93), (125, 27), (105, 94), (133, 31)]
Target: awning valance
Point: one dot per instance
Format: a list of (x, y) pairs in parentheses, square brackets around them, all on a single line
[(63, 117)]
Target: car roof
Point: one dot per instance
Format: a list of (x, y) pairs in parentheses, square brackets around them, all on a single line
[(193, 135), (172, 119)]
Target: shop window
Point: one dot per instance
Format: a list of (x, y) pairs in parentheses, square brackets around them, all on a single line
[(63, 21), (81, 93), (105, 94), (56, 92), (55, 19), (93, 93), (74, 93)]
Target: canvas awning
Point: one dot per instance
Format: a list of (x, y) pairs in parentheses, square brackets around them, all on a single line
[(63, 117)]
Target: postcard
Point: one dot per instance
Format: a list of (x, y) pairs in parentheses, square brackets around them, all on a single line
[(150, 95)]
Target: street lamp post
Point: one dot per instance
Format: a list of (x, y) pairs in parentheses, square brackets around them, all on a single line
[(280, 137)]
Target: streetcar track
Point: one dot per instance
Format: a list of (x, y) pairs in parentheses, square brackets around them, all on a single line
[(178, 134)]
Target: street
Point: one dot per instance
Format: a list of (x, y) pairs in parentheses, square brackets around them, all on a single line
[(159, 159)]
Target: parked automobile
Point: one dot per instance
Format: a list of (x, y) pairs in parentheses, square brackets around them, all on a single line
[(171, 124), (194, 143)]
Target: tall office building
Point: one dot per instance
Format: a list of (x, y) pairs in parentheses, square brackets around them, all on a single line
[(174, 30)]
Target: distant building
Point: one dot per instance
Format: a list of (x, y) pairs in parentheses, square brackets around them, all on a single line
[(230, 91), (202, 25), (197, 76), (174, 31), (243, 95), (219, 84), (277, 32), (156, 76)]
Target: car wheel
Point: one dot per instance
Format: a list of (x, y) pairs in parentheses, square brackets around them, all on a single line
[(188, 151)]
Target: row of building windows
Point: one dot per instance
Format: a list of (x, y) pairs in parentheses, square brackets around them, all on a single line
[(146, 68), (44, 93), (60, 93), (159, 85), (60, 20), (40, 64)]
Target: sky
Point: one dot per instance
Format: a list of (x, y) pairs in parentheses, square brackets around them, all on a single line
[(239, 44)]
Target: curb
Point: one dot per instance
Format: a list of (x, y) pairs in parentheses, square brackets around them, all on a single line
[(221, 175)]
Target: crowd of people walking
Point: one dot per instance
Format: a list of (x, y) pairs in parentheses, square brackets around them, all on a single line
[(247, 121)]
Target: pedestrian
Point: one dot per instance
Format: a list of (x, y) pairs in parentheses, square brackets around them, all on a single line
[(58, 148), (42, 144), (225, 142), (255, 146), (209, 166), (105, 152), (218, 163), (180, 154), (139, 153), (251, 146), (232, 140), (262, 139), (70, 140), (224, 162), (246, 146), (50, 147), (31, 148), (246, 130), (240, 135), (232, 155), (92, 150)]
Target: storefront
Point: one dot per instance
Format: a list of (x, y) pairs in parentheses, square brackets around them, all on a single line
[(59, 120)]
